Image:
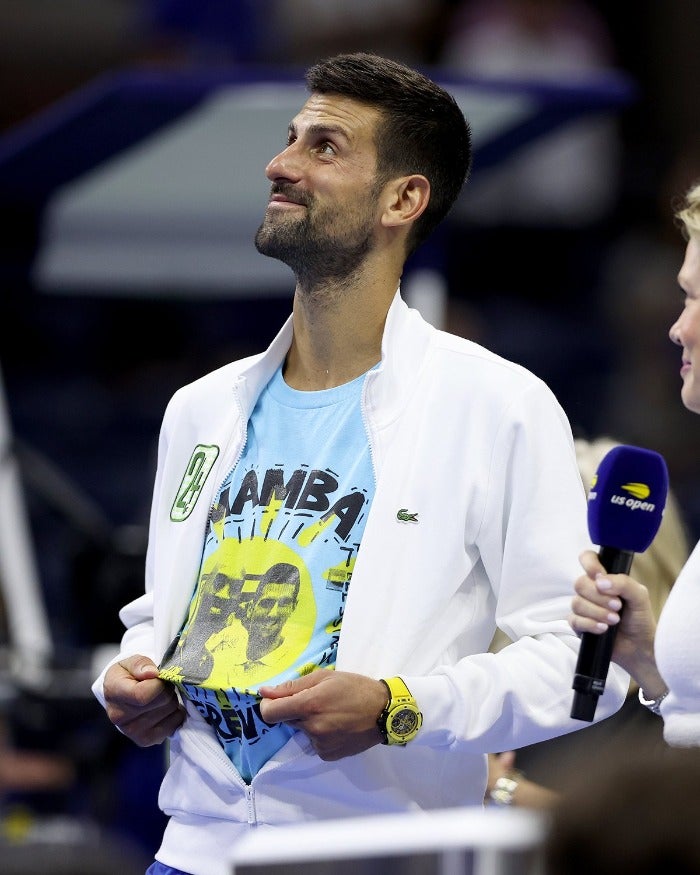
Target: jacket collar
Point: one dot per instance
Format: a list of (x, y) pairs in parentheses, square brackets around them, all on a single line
[(405, 344), (407, 337)]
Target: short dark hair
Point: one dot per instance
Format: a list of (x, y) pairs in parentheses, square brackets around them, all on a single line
[(423, 130)]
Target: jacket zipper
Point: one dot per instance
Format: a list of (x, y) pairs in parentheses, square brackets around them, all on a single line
[(250, 800), (367, 426), (244, 429)]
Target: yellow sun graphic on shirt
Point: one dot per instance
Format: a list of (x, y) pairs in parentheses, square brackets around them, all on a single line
[(255, 604)]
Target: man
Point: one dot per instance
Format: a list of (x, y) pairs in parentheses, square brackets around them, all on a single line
[(424, 489)]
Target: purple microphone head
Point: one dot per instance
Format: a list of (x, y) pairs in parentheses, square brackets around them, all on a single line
[(627, 498)]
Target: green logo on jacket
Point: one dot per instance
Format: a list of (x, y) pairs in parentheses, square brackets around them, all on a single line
[(404, 516), (198, 468)]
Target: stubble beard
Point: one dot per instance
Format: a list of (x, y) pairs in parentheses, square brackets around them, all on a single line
[(317, 256)]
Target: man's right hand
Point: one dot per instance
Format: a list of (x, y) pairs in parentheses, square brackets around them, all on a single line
[(141, 705)]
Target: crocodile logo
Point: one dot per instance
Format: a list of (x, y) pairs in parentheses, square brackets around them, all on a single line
[(404, 516)]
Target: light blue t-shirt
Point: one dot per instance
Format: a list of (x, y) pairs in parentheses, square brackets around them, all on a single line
[(283, 538)]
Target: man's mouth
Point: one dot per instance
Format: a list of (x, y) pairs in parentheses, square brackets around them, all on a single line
[(285, 196)]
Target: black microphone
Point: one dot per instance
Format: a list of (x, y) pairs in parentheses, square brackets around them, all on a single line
[(625, 505)]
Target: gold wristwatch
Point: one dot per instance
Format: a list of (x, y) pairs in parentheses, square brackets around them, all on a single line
[(401, 719)]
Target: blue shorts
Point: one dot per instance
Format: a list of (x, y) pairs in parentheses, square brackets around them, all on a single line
[(157, 868)]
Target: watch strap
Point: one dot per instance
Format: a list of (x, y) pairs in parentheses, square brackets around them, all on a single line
[(400, 697), (397, 689)]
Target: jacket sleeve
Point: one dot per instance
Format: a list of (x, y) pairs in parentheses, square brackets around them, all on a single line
[(532, 532)]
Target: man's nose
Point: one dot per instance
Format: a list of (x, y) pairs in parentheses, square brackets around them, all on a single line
[(285, 165)]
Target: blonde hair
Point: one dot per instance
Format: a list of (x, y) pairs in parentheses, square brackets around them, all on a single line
[(688, 213)]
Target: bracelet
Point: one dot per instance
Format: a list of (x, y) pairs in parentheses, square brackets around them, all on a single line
[(505, 787), (654, 705)]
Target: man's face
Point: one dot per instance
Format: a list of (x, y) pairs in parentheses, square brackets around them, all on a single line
[(271, 610), (323, 207)]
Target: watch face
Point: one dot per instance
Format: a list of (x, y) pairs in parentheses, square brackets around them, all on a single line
[(403, 722)]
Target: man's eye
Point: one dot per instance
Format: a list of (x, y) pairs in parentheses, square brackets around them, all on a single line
[(327, 148)]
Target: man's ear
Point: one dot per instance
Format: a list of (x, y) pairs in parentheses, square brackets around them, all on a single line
[(406, 199)]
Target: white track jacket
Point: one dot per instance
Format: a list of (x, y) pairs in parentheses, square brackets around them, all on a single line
[(480, 451)]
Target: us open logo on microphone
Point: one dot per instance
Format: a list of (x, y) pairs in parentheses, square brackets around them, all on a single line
[(637, 493)]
